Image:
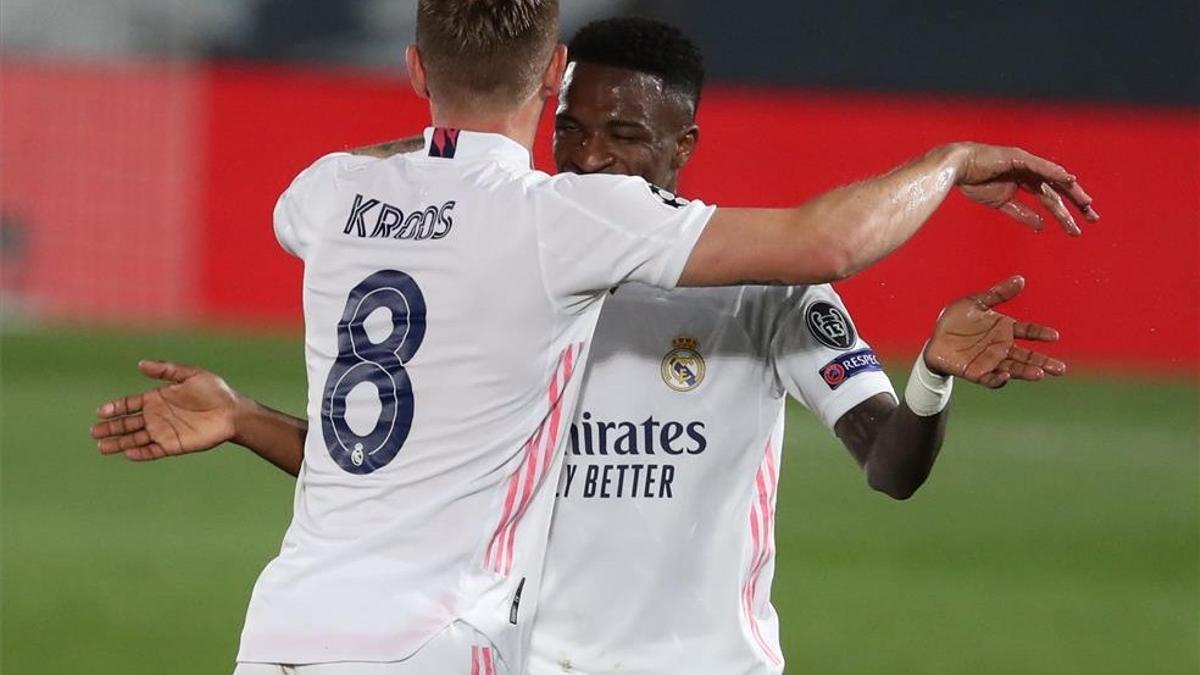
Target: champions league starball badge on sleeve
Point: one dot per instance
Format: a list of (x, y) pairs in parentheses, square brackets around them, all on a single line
[(669, 198), (830, 326)]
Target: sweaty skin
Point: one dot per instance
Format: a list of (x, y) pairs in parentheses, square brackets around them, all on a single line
[(618, 121), (615, 121)]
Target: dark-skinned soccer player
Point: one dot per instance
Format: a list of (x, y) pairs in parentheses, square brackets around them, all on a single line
[(661, 550)]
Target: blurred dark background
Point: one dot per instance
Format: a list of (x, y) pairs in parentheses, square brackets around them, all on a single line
[(1071, 49), (1066, 49)]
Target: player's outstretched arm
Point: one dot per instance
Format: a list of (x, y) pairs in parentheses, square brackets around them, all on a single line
[(848, 229), (897, 446), (194, 412)]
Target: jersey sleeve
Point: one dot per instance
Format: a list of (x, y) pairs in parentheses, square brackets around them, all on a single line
[(294, 211), (600, 231), (819, 357)]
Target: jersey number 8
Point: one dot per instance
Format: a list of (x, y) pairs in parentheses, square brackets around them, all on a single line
[(381, 364)]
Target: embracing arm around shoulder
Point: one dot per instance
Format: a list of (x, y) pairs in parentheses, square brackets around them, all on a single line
[(848, 229)]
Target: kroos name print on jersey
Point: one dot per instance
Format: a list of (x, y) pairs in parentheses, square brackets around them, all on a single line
[(390, 222)]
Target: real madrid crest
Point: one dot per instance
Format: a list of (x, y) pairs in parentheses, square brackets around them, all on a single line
[(683, 367)]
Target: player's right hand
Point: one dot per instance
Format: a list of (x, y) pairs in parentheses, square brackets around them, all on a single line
[(994, 176), (195, 412)]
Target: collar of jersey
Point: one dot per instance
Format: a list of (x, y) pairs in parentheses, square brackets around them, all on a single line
[(475, 145)]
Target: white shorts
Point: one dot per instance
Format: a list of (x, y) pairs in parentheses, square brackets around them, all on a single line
[(457, 650)]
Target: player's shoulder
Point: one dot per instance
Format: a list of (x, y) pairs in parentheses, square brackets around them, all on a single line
[(584, 181), (775, 297), (603, 186), (346, 162), (784, 298), (575, 186), (817, 314), (766, 308), (630, 196), (329, 166)]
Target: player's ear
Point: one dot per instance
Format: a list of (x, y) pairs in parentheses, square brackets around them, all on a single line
[(553, 77), (416, 71), (685, 145)]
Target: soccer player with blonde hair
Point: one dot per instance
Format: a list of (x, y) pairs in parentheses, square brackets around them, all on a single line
[(450, 298)]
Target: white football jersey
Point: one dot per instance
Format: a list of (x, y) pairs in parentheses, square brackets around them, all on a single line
[(662, 543), (449, 299)]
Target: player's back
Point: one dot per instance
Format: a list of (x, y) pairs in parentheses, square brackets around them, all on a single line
[(444, 320)]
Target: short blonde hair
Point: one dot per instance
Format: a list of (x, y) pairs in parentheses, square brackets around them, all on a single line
[(485, 52)]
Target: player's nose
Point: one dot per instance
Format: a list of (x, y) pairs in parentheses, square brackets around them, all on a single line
[(593, 155)]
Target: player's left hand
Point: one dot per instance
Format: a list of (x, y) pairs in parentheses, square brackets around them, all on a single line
[(975, 342), (994, 176)]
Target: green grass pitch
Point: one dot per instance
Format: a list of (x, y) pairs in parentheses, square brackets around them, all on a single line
[(1059, 533)]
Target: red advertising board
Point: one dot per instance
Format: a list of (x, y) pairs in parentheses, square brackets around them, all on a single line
[(1127, 292), (175, 171)]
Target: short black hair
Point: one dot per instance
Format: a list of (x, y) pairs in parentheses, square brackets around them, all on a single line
[(644, 45)]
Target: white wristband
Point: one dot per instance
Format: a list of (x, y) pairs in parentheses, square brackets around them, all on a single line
[(927, 393)]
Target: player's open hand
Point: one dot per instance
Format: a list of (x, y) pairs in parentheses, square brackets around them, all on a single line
[(195, 412), (995, 176), (975, 342)]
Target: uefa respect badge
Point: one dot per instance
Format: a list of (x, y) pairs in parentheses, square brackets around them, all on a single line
[(837, 371)]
